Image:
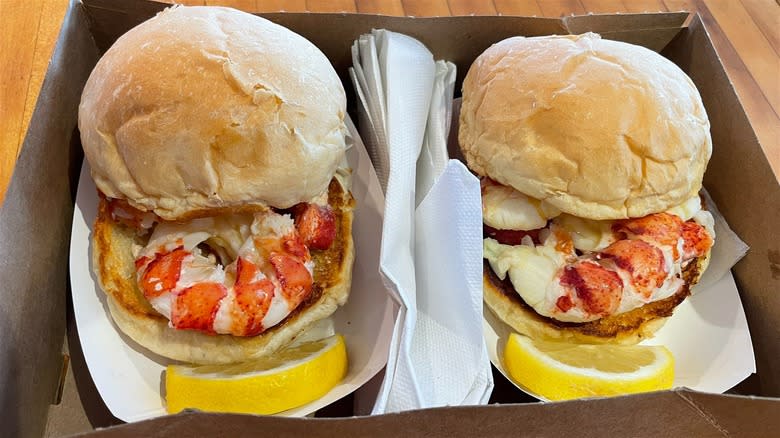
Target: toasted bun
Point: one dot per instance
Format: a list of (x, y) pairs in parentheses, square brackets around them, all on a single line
[(114, 266), (600, 129), (205, 107), (626, 328)]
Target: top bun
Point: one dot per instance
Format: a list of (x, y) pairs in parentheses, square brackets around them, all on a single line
[(599, 129), (205, 108)]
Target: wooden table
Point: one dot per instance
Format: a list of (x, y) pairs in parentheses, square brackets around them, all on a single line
[(745, 33)]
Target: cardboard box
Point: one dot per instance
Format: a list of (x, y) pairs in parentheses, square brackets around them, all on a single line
[(44, 394)]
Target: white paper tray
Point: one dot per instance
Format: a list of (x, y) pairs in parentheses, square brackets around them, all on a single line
[(708, 336), (129, 377)]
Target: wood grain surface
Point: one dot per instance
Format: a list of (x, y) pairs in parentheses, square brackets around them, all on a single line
[(746, 34)]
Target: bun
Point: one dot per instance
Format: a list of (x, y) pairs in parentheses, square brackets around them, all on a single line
[(599, 129), (627, 328), (115, 269), (206, 108)]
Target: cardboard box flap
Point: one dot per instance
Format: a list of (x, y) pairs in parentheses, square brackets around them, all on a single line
[(35, 221), (108, 20), (746, 191), (673, 414), (457, 39), (653, 31), (731, 417), (602, 23)]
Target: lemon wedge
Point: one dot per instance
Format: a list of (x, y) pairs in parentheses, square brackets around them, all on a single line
[(289, 379), (560, 371)]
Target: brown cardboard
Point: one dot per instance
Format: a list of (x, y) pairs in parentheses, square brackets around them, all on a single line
[(666, 414), (457, 39), (742, 184), (35, 223)]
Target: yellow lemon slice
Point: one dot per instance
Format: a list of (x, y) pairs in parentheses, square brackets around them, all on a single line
[(560, 371), (289, 379)]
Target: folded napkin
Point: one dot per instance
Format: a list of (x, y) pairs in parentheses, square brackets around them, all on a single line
[(437, 355)]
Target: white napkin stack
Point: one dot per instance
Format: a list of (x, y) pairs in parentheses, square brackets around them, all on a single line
[(437, 355), (433, 155)]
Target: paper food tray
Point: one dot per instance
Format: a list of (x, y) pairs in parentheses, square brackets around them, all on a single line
[(129, 377)]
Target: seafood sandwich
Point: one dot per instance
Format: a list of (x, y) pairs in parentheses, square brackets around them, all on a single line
[(591, 155), (217, 142)]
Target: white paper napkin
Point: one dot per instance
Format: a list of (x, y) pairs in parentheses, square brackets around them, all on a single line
[(433, 156), (446, 197), (437, 355), (449, 348), (397, 74), (369, 87)]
